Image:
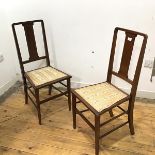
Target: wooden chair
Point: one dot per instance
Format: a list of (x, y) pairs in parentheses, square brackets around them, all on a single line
[(39, 78), (103, 97)]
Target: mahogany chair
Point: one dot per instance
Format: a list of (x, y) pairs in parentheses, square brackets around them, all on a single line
[(104, 97), (39, 78)]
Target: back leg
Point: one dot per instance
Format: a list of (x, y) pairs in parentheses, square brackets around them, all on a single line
[(130, 117), (111, 113), (50, 89)]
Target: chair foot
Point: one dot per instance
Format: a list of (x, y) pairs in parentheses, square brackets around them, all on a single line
[(69, 101), (50, 90), (69, 107), (130, 117), (74, 120), (131, 127), (38, 105), (69, 94), (26, 94), (96, 146), (39, 117), (74, 110), (40, 122), (26, 100), (74, 126), (97, 134), (97, 151)]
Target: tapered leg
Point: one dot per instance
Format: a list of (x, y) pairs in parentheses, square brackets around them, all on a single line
[(97, 134), (25, 90), (50, 89), (38, 105), (74, 110), (111, 113), (130, 117), (69, 93), (26, 94)]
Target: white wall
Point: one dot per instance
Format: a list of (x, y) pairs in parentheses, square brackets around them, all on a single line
[(75, 28), (22, 11), (81, 27), (7, 68)]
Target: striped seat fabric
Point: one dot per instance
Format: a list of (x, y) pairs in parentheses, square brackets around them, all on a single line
[(44, 75), (101, 96)]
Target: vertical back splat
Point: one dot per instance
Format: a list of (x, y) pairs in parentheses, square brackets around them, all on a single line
[(126, 56), (30, 38)]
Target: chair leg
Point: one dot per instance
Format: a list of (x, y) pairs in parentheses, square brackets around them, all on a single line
[(50, 90), (97, 134), (26, 94), (38, 105), (69, 93), (74, 110), (111, 113), (130, 118)]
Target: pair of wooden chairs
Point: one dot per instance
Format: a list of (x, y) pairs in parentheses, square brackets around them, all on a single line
[(99, 98)]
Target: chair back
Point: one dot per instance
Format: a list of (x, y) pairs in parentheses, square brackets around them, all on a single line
[(28, 27), (130, 37)]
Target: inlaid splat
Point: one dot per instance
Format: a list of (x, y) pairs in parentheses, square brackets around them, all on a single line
[(127, 52), (30, 38)]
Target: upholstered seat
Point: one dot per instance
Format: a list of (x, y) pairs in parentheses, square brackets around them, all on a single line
[(44, 75), (101, 96)]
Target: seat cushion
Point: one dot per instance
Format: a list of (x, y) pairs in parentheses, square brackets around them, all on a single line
[(101, 96), (44, 75)]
